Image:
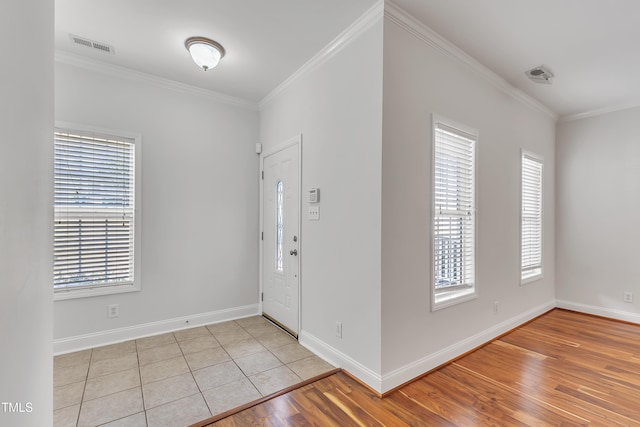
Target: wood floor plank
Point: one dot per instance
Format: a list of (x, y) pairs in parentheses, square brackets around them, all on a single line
[(542, 382), (552, 379), (382, 410), (525, 408), (319, 415), (336, 412), (405, 409), (297, 420), (563, 369)]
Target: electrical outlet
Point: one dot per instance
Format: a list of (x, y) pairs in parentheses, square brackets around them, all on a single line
[(113, 310), (339, 329), (628, 297), (496, 306)]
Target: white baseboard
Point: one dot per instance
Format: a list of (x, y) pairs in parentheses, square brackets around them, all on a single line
[(112, 336), (611, 313), (341, 360), (377, 382), (419, 367), (399, 376)]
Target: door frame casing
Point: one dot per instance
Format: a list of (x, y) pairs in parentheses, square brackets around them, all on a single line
[(297, 140)]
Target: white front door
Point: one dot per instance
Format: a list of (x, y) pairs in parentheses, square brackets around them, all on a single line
[(281, 240)]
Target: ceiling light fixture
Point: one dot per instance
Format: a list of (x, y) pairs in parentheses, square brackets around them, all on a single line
[(205, 52)]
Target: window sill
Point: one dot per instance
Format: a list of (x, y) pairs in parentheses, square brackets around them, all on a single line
[(448, 299), (531, 278), (66, 294)]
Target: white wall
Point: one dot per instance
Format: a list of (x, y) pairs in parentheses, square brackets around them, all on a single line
[(26, 181), (337, 107), (598, 188), (199, 200), (420, 80)]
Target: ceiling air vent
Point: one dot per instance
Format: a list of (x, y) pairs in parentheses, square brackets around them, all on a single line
[(540, 74), (103, 47)]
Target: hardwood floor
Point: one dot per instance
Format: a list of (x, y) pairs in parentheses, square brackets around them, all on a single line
[(564, 368)]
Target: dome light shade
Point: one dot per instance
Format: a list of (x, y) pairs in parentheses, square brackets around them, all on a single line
[(205, 52)]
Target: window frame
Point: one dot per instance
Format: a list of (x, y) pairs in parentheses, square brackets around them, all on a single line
[(446, 298), (536, 158), (136, 286)]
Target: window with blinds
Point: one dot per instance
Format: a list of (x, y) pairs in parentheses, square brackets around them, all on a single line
[(453, 212), (531, 227), (94, 210)]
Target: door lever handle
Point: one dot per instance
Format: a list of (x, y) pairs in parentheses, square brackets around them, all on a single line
[(293, 252)]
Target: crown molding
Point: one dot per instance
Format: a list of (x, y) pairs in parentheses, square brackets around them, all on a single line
[(362, 24), (118, 71), (598, 112), (410, 24)]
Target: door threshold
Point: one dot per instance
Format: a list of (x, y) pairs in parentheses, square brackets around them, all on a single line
[(280, 325)]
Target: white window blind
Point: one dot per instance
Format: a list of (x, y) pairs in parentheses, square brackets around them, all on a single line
[(454, 209), (94, 210), (531, 238)]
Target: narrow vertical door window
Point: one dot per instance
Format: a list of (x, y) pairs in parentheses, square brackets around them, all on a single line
[(279, 226)]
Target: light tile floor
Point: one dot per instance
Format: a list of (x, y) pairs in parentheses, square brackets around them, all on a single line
[(179, 378)]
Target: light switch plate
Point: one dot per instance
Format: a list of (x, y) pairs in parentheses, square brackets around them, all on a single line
[(314, 213)]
